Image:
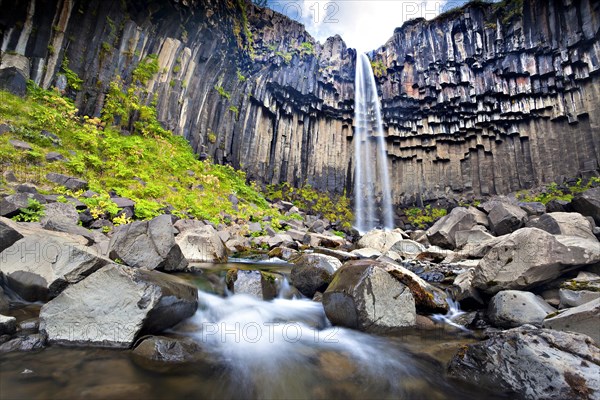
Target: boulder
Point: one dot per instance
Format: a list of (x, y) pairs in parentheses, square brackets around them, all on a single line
[(69, 182), (313, 272), (535, 363), (183, 225), (513, 308), (64, 212), (148, 244), (343, 256), (324, 240), (95, 239), (116, 304), (40, 266), (581, 319), (443, 232), (407, 248), (427, 298), (9, 233), (471, 238), (364, 296), (379, 240), (10, 206), (588, 203), (13, 80), (530, 257), (8, 325), (533, 208), (559, 206), (280, 239), (366, 252), (462, 288), (283, 253), (480, 217), (202, 245), (506, 218), (561, 223), (259, 284)]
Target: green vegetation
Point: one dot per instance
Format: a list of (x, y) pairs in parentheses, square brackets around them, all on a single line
[(379, 69), (306, 48), (32, 213), (222, 92), (285, 56), (73, 80), (146, 69), (423, 217), (246, 42), (240, 76), (212, 137), (151, 166), (335, 208), (554, 192)]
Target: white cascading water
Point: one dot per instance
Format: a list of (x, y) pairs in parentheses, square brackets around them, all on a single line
[(370, 157)]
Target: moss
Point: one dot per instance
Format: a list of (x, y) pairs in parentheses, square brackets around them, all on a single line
[(580, 285), (379, 69), (423, 217)]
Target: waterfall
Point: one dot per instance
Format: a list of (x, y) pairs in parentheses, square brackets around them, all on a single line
[(370, 158)]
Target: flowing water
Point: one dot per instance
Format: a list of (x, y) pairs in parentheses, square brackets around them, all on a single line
[(370, 157), (279, 349)]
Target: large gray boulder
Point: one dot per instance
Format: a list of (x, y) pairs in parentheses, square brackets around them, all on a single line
[(513, 308), (588, 203), (114, 305), (562, 223), (443, 232), (535, 363), (581, 319), (530, 257), (40, 266), (579, 290), (202, 244), (379, 240), (364, 296), (9, 233), (506, 218), (312, 273), (148, 244)]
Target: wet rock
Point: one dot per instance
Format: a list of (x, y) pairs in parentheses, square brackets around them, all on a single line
[(202, 245), (588, 203), (111, 307), (283, 253), (148, 244), (8, 325), (64, 212), (29, 325), (379, 240), (69, 182), (313, 272), (161, 353), (427, 297), (443, 232), (581, 319), (116, 391), (535, 363), (561, 223), (40, 266), (259, 284), (530, 257), (10, 206), (513, 308), (506, 218), (24, 343), (364, 296), (533, 208), (337, 366)]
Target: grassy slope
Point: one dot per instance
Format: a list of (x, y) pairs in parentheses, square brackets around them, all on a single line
[(110, 161)]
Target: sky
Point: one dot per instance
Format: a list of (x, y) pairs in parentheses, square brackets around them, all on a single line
[(363, 24)]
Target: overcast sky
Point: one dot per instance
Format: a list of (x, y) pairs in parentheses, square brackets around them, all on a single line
[(363, 24)]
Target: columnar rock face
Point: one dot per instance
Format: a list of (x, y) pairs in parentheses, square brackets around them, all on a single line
[(477, 102)]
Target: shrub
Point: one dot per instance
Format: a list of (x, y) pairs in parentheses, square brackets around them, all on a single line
[(423, 217), (32, 213)]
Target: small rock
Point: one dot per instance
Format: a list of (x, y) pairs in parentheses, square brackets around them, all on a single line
[(20, 145), (4, 128), (24, 343), (533, 208), (69, 182), (26, 188), (54, 156), (313, 272), (255, 283), (202, 245), (63, 212)]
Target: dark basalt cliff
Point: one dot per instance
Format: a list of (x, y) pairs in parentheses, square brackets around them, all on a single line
[(479, 102)]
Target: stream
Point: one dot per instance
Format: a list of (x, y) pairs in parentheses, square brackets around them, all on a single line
[(280, 349)]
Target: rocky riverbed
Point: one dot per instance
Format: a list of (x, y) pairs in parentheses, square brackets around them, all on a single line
[(528, 281)]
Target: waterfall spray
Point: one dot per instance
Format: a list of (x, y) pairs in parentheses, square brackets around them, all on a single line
[(369, 152)]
